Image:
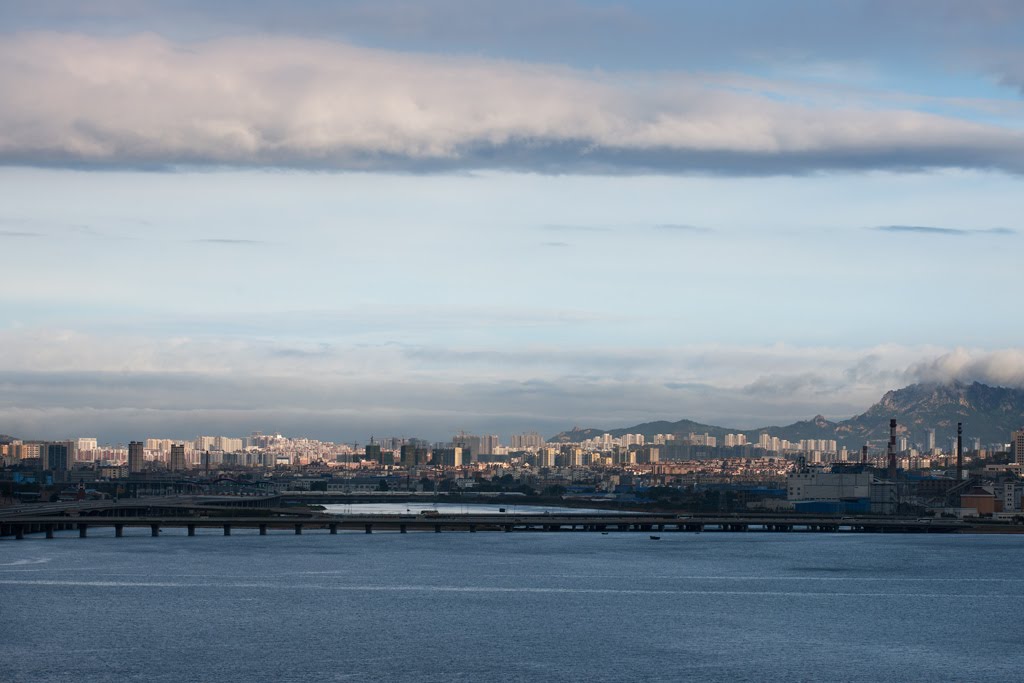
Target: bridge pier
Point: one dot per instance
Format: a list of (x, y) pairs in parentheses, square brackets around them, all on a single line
[(263, 529), (401, 529), (154, 530), (369, 528), (333, 528), (191, 529), (19, 533), (298, 529), (118, 530), (82, 530), (49, 531), (507, 528), (227, 529), (437, 528)]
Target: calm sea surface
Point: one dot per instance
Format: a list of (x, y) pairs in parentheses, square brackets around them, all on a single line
[(511, 607)]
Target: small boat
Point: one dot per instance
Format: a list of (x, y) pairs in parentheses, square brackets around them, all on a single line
[(655, 538)]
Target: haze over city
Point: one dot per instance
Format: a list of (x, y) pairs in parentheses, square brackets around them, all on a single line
[(500, 217)]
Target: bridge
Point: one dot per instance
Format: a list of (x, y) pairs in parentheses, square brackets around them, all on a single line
[(227, 520)]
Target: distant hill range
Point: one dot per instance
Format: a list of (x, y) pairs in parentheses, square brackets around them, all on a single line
[(988, 413), (4, 438)]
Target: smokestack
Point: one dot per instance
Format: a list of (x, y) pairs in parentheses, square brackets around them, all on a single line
[(892, 448), (959, 452), (864, 454)]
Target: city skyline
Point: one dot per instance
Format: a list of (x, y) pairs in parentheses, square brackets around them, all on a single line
[(376, 218)]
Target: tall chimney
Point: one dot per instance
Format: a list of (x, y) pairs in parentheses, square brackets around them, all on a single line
[(959, 452), (892, 448), (864, 454)]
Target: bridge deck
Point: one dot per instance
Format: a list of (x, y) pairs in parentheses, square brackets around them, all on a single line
[(20, 525)]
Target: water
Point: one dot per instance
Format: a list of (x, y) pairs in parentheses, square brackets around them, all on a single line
[(510, 607)]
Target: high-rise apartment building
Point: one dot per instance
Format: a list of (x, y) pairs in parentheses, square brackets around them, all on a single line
[(546, 457), (413, 455), (58, 457), (136, 457), (227, 444), (374, 453), (469, 444), (448, 457), (407, 455), (1017, 442), (86, 444), (489, 443), (177, 457), (528, 441)]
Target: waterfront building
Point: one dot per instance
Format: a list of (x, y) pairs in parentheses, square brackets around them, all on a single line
[(841, 490)]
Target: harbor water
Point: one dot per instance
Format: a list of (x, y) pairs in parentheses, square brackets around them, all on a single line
[(510, 607)]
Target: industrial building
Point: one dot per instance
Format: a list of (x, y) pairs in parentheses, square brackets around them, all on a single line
[(840, 490)]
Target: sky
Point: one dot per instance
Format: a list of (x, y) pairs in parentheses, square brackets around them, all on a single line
[(338, 219)]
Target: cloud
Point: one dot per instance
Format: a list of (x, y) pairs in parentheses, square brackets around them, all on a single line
[(681, 227), (53, 381), (576, 228), (19, 233), (787, 385), (239, 242), (930, 230), (55, 384), (120, 406), (1000, 368), (146, 102)]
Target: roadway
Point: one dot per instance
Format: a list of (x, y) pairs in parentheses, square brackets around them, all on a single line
[(227, 520)]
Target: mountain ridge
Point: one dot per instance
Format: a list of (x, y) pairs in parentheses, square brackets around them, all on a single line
[(988, 413)]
